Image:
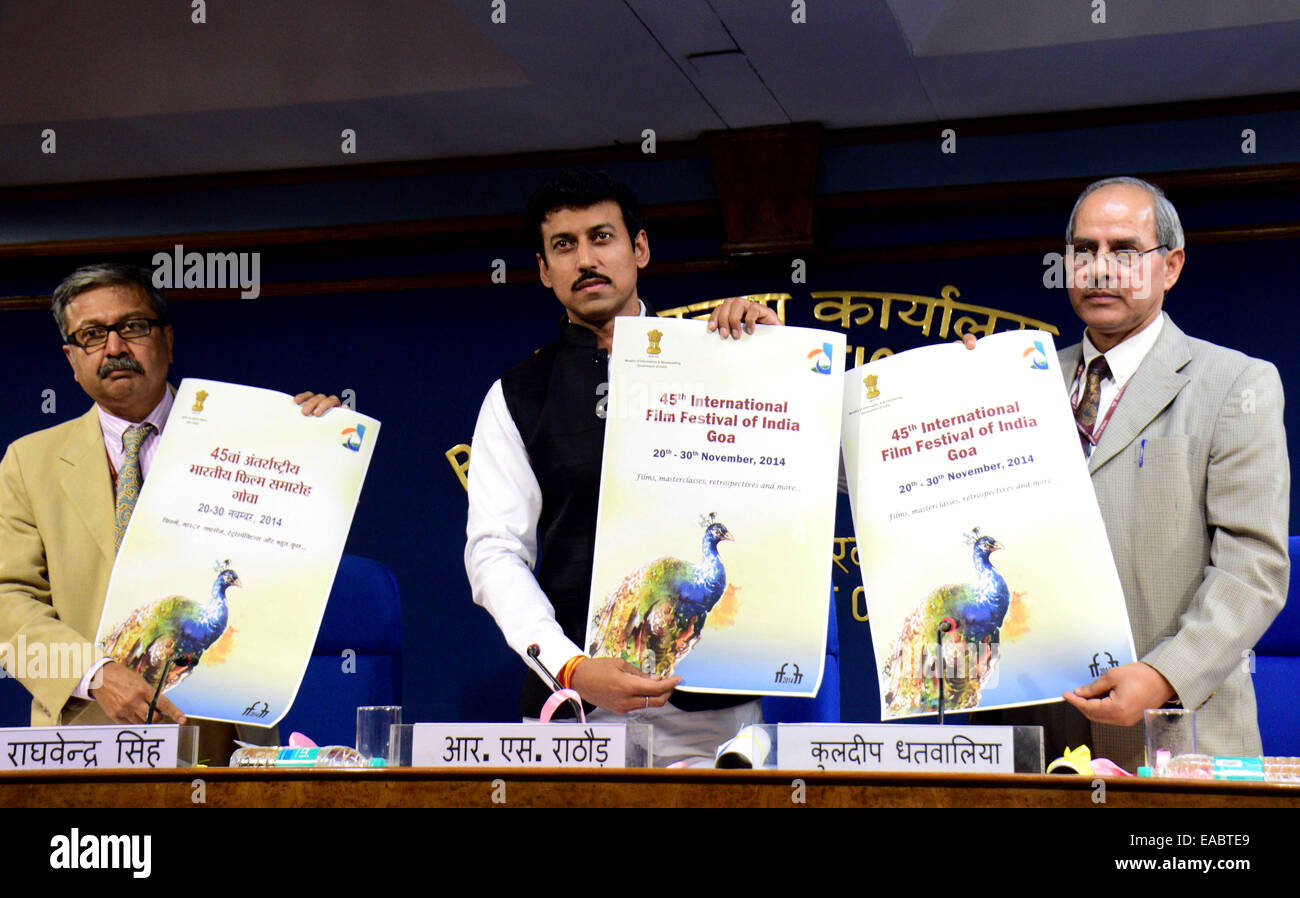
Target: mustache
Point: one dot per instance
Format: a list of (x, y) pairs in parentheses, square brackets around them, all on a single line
[(587, 277), (123, 363)]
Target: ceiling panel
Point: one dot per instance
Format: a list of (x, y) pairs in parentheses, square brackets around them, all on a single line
[(976, 26), (134, 89), (1161, 68), (84, 59), (847, 65)]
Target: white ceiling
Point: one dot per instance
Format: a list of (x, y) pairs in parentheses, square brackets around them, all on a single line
[(135, 89)]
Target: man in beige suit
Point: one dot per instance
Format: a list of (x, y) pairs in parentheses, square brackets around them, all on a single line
[(58, 528), (1187, 451)]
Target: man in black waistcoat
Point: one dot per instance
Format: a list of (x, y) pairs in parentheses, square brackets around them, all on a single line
[(535, 475)]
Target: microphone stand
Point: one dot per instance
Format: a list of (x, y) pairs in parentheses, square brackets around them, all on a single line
[(534, 651), (157, 693), (945, 626)]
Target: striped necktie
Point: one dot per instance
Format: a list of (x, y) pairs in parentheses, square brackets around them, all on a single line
[(1086, 411), (129, 479)]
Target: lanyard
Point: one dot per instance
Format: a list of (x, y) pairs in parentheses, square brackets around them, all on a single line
[(1092, 439)]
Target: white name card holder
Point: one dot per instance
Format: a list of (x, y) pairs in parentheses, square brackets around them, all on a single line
[(98, 747), (523, 745), (901, 747)]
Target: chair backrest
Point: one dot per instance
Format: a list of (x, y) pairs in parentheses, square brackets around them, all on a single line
[(15, 704), (1277, 671), (357, 659)]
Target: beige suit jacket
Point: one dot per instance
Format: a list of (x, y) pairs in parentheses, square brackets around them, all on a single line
[(1193, 481), (56, 554)]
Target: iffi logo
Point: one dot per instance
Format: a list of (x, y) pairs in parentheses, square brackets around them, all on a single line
[(258, 710), (782, 677), (1096, 668), (1039, 360), (352, 437), (823, 357)]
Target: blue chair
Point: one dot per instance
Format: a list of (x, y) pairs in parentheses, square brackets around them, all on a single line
[(825, 705), (1277, 671), (15, 704), (363, 616)]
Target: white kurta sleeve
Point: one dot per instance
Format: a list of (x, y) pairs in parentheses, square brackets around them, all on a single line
[(505, 502)]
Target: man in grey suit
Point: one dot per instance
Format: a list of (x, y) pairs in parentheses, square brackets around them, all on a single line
[(1187, 452)]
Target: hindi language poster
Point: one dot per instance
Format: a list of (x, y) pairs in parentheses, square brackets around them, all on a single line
[(717, 505), (232, 548), (977, 525)]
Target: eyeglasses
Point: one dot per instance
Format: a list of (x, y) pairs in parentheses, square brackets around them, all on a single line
[(96, 335), (1120, 258)]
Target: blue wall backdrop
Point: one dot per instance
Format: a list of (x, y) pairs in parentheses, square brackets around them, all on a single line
[(421, 360)]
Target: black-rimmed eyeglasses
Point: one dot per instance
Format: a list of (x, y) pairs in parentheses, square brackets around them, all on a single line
[(1122, 258), (96, 335)]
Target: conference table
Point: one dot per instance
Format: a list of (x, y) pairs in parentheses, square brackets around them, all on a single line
[(601, 788)]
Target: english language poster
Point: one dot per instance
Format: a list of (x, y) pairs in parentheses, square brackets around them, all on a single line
[(717, 505), (978, 528)]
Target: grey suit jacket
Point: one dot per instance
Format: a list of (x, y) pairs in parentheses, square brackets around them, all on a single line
[(1193, 481)]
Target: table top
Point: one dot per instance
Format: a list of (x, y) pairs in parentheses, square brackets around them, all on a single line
[(486, 787)]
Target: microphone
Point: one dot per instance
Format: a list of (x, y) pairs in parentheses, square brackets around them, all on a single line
[(534, 651)]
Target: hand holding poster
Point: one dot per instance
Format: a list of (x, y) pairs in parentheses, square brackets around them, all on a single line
[(954, 455), (717, 505), (232, 548)]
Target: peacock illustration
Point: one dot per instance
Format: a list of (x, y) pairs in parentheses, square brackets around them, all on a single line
[(656, 615), (974, 613), (173, 628)]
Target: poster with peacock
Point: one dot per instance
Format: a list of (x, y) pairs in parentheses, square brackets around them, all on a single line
[(717, 505), (220, 584), (985, 563)]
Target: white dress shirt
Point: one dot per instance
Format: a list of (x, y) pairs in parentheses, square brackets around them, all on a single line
[(114, 428), (1123, 360), (505, 503)]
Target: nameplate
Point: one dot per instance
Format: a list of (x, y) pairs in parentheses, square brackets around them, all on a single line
[(518, 745), (79, 748), (894, 747)]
